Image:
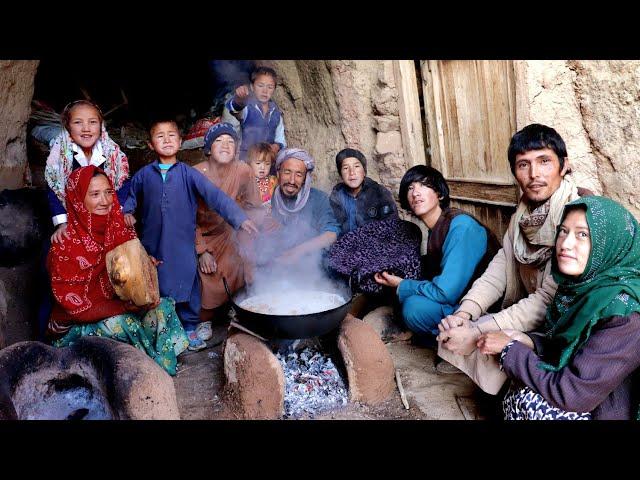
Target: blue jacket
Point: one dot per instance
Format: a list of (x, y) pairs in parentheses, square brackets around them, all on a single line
[(169, 220), (257, 127), (374, 202)]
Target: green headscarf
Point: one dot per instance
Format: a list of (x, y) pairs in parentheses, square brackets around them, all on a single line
[(609, 285)]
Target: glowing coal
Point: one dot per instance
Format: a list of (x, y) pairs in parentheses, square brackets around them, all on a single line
[(312, 383)]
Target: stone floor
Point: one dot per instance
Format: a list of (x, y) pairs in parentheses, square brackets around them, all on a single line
[(430, 394)]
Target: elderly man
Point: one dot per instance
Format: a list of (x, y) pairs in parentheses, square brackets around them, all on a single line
[(520, 271), (305, 212)]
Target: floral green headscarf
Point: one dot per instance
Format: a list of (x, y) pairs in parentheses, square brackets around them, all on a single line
[(609, 285)]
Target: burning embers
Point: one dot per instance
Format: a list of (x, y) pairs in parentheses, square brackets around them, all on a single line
[(312, 383)]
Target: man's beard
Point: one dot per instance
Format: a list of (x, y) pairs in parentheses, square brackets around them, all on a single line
[(290, 200)]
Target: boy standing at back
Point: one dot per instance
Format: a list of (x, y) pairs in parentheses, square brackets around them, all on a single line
[(168, 192), (260, 118)]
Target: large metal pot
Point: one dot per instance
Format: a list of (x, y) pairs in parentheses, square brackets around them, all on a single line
[(291, 326)]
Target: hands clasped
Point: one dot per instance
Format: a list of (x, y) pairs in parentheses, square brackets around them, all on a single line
[(492, 343), (458, 334)]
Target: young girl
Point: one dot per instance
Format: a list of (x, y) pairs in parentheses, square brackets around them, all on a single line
[(84, 141), (260, 158)]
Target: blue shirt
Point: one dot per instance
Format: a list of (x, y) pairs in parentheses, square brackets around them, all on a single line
[(169, 220), (164, 168), (315, 218), (463, 249), (349, 204)]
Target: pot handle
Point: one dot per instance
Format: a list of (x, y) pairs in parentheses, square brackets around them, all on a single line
[(226, 287)]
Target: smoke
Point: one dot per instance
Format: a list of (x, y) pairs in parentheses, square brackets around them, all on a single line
[(307, 273), (226, 76), (229, 74)]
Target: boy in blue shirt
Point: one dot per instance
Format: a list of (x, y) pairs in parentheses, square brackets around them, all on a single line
[(260, 118), (459, 248), (168, 192)]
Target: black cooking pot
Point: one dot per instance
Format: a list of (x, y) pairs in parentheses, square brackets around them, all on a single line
[(291, 326)]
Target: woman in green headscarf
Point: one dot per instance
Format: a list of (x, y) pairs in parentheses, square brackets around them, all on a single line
[(581, 366)]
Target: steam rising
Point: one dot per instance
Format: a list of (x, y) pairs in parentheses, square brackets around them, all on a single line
[(307, 273)]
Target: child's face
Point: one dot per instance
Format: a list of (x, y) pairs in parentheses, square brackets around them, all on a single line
[(223, 149), (84, 126), (352, 173), (263, 87), (165, 139), (260, 166)]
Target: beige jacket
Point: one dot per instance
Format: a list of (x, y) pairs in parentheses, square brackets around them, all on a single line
[(527, 293)]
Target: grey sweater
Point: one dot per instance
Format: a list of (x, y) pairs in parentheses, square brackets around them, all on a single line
[(597, 379)]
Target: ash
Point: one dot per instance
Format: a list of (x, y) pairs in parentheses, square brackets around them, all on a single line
[(73, 404), (312, 383)]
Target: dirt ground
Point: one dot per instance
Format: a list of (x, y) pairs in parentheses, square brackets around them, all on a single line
[(430, 395)]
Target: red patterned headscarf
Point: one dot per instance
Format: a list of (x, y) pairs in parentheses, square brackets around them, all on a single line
[(77, 266)]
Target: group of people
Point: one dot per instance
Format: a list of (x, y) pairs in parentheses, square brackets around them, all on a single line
[(553, 309), (551, 324)]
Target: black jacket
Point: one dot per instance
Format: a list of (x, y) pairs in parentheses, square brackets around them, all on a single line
[(374, 202)]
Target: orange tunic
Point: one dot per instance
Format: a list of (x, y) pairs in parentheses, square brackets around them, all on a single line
[(232, 249)]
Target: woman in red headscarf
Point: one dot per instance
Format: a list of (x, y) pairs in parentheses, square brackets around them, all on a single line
[(86, 303)]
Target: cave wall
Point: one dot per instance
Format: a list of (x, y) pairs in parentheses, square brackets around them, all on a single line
[(595, 106), (16, 91), (329, 105)]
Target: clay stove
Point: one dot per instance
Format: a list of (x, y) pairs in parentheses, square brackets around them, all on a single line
[(255, 380), (95, 379)]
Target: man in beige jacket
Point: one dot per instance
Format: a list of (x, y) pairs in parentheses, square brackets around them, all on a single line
[(520, 273)]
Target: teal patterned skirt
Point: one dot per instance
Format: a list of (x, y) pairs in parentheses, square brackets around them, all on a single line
[(158, 333)]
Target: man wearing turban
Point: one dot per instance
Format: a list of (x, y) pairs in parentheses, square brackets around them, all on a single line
[(305, 212)]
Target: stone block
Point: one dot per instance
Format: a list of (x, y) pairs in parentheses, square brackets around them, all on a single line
[(385, 102), (388, 142), (381, 320), (370, 369), (254, 387), (387, 123), (96, 378)]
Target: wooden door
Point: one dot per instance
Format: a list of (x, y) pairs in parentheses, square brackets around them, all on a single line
[(470, 116)]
